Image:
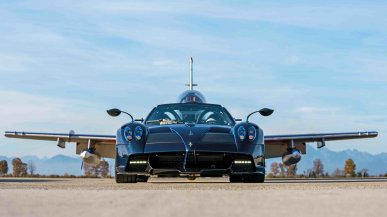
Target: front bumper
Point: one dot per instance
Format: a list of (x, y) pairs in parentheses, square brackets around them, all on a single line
[(205, 164)]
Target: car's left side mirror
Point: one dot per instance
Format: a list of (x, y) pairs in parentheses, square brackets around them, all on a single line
[(114, 112), (263, 112), (266, 111)]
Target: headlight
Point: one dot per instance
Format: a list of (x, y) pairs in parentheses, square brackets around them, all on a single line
[(128, 134), (252, 133), (138, 132), (241, 133)]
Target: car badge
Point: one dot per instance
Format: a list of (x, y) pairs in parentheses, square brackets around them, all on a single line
[(190, 144), (190, 133)]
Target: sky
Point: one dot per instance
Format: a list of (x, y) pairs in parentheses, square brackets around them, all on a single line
[(321, 65)]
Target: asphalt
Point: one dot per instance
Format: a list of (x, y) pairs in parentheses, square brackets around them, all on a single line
[(202, 197)]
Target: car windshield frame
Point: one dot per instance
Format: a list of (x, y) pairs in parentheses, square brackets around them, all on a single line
[(188, 113)]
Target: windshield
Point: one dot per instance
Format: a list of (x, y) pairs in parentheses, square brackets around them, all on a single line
[(189, 113)]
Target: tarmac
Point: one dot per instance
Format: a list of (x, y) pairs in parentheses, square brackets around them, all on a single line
[(202, 197)]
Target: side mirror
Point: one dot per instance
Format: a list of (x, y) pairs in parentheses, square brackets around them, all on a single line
[(266, 111), (114, 112), (237, 119), (263, 112), (139, 119)]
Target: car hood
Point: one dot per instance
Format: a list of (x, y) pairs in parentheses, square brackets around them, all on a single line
[(190, 137)]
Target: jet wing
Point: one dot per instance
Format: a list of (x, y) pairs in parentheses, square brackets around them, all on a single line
[(277, 145), (104, 144)]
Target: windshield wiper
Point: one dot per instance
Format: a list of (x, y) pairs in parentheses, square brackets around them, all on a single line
[(165, 121)]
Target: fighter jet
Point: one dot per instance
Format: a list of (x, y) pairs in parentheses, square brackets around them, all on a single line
[(189, 138)]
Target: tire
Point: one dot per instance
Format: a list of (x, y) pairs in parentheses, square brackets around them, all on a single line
[(236, 178), (254, 178), (123, 178)]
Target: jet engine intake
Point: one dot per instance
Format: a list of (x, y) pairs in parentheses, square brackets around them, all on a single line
[(293, 156), (90, 158)]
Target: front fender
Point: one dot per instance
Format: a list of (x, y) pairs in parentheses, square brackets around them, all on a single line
[(125, 148), (254, 147)]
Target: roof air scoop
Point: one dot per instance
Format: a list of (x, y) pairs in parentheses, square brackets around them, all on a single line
[(191, 95)]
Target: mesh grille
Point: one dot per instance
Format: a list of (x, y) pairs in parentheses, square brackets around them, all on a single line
[(213, 161), (194, 162), (167, 161), (243, 168)]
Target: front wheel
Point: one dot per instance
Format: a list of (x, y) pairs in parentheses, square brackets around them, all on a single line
[(236, 178), (123, 178), (254, 178)]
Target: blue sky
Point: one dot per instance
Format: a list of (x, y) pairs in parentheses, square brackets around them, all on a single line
[(322, 66)]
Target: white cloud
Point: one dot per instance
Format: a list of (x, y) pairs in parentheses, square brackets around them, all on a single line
[(14, 63), (161, 62), (310, 109), (33, 113), (18, 108)]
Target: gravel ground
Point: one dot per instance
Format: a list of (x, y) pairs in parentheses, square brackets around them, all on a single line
[(202, 197)]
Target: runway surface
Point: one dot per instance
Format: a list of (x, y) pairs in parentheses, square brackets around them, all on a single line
[(202, 197)]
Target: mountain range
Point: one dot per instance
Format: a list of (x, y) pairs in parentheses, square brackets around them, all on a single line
[(57, 165), (376, 164)]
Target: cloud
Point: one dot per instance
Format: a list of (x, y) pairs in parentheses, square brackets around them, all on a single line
[(161, 62), (344, 14), (14, 63), (310, 109), (33, 113), (24, 109)]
